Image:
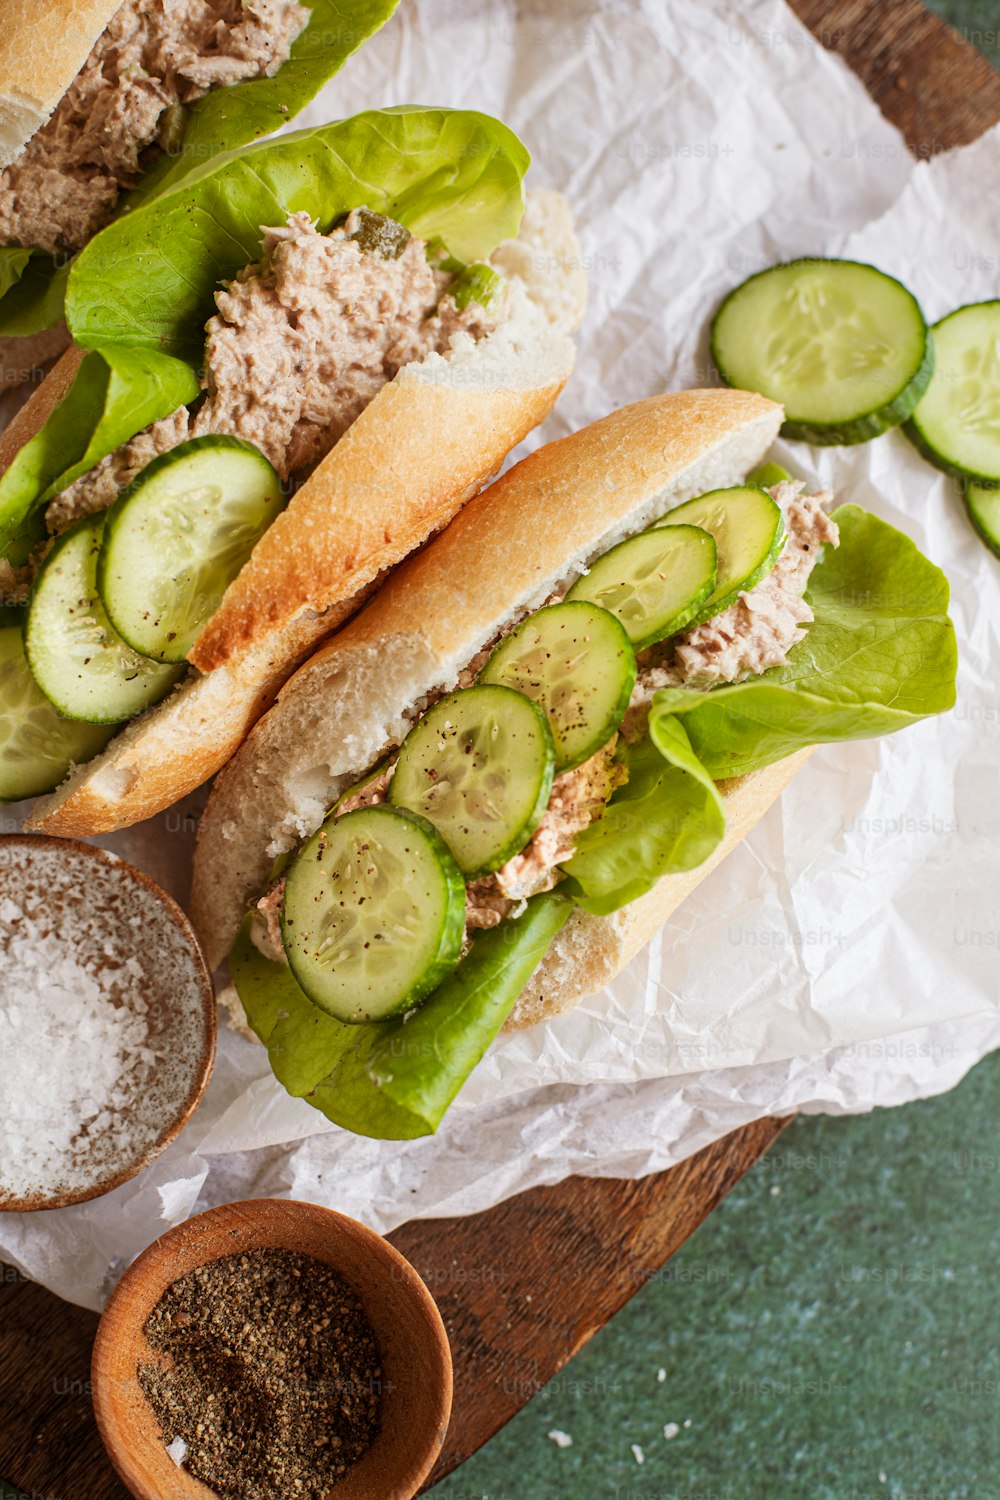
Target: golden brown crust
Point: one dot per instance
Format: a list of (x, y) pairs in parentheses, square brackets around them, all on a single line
[(39, 407), (399, 474), (43, 45), (561, 499)]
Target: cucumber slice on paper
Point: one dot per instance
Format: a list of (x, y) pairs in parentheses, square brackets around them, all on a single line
[(983, 505), (76, 656), (576, 662), (655, 583), (479, 767), (373, 914), (178, 536), (844, 347), (37, 746), (957, 424), (749, 532)]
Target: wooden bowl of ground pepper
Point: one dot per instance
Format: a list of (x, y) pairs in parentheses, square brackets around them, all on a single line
[(272, 1348)]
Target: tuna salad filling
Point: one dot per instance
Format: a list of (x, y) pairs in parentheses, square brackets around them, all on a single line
[(755, 633), (153, 59), (301, 343)]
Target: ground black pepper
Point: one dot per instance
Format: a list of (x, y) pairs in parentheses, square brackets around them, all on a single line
[(269, 1371)]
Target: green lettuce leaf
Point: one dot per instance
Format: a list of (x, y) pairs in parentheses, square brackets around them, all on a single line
[(879, 656), (141, 292), (394, 1080), (148, 279), (667, 817), (114, 395), (36, 299), (226, 118), (13, 263), (222, 120)]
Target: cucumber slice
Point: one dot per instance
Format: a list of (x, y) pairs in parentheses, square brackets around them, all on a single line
[(576, 662), (749, 532), (957, 424), (654, 584), (177, 537), (78, 659), (479, 767), (373, 915), (844, 347), (768, 475), (983, 505), (37, 747)]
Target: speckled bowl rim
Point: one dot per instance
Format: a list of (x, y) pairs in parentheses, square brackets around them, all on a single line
[(172, 912)]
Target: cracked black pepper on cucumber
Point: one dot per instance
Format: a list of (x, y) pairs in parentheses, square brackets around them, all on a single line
[(550, 773)]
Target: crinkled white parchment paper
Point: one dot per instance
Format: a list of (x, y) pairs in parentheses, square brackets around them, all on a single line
[(845, 954)]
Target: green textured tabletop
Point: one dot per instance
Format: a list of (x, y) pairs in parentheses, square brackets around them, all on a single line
[(831, 1333)]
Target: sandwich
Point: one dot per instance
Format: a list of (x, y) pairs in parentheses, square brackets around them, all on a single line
[(289, 370), (474, 804), (103, 104)]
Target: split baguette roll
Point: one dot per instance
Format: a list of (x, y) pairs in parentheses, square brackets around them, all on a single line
[(424, 446), (527, 535), (43, 45)]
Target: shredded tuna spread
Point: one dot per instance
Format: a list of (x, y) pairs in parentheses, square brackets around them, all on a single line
[(301, 343), (153, 58), (755, 633)]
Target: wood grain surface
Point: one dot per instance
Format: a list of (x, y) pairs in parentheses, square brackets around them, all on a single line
[(523, 1286)]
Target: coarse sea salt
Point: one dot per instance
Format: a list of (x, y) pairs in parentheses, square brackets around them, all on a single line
[(74, 1039)]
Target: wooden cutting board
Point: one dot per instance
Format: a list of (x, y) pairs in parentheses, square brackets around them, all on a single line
[(500, 1277)]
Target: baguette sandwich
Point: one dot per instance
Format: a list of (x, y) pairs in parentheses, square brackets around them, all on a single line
[(104, 103), (473, 805), (190, 502)]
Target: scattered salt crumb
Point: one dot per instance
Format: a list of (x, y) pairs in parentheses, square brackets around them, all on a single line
[(177, 1450), (776, 1190), (561, 1439), (638, 1454), (661, 1375), (670, 1431)]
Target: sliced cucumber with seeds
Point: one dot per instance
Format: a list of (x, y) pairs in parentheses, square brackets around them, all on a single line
[(576, 662), (844, 347), (957, 424), (654, 584), (37, 746), (177, 537), (479, 767), (983, 505), (373, 914), (78, 659), (749, 532)]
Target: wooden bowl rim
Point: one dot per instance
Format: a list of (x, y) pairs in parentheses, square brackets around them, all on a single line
[(142, 1285), (209, 1038)]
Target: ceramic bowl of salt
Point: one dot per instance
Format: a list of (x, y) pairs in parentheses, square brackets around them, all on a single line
[(107, 1021)]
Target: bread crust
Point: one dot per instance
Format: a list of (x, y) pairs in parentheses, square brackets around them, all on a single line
[(346, 705), (42, 48), (429, 440)]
